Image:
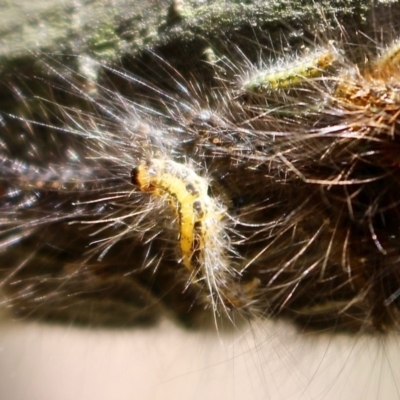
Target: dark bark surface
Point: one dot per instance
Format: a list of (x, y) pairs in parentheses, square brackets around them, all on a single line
[(113, 28)]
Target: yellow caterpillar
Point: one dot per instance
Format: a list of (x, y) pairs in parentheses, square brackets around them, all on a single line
[(203, 242), (199, 215)]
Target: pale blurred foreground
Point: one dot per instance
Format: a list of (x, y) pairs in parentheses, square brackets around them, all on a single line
[(268, 361)]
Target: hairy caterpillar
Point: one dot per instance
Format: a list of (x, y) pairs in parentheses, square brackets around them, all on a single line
[(203, 243), (196, 210), (304, 232), (286, 77), (201, 246)]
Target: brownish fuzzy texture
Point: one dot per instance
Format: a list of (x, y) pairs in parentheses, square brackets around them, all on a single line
[(308, 175)]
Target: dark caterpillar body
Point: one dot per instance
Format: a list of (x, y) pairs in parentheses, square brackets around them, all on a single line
[(273, 203)]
